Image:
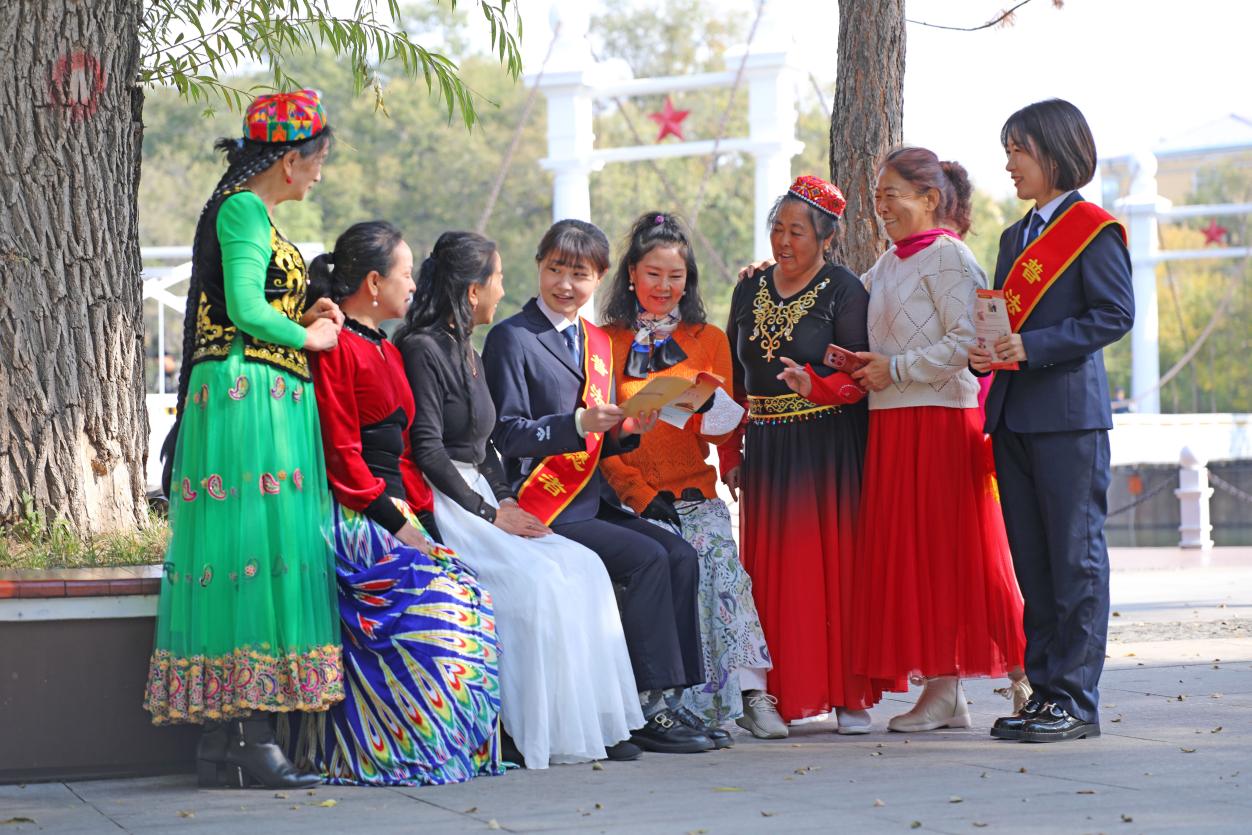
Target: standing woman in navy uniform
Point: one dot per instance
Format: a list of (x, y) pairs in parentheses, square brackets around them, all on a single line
[(1065, 273)]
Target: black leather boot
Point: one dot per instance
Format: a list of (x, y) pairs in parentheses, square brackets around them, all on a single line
[(211, 754), (252, 756)]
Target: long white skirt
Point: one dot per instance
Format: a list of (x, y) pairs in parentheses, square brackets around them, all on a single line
[(567, 687)]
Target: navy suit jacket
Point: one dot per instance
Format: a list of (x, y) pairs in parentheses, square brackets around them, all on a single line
[(536, 387), (1062, 386)]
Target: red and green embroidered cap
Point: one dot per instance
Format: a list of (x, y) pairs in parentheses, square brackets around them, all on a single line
[(819, 194), (285, 117)]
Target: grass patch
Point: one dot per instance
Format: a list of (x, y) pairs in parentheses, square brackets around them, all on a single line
[(34, 541)]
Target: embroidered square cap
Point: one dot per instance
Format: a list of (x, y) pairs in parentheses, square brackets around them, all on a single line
[(285, 117), (820, 194)]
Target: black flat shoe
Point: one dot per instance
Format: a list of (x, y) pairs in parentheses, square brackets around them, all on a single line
[(509, 752), (624, 752), (665, 734), (1010, 727), (1053, 724), (721, 738)]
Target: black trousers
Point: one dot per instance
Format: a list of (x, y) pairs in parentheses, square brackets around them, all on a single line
[(1053, 490), (658, 577)]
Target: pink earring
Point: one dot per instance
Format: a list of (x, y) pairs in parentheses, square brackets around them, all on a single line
[(288, 181)]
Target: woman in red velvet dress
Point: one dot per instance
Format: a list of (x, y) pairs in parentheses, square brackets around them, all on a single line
[(800, 468)]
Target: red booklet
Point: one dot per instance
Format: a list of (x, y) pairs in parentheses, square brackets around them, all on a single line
[(841, 359)]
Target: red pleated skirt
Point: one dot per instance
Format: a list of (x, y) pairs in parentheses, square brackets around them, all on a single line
[(936, 593)]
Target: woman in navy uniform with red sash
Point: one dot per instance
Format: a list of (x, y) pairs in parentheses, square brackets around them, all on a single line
[(550, 373), (1065, 273)]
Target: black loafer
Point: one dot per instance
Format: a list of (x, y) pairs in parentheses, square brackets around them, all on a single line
[(721, 738), (624, 752), (664, 733), (1010, 727), (1053, 724)]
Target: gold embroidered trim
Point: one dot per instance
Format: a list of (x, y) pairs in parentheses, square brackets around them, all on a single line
[(784, 408), (772, 322)]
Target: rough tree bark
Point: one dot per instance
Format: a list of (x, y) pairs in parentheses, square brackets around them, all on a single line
[(73, 427), (867, 118)]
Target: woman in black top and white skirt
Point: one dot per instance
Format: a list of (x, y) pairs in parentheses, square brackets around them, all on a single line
[(568, 690)]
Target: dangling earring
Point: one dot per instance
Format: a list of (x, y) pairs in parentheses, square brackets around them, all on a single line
[(375, 302), (288, 180), (631, 286)]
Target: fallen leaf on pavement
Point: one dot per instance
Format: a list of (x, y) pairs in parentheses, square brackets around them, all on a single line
[(765, 814), (879, 803), (280, 795), (979, 824), (471, 810), (599, 805), (1127, 819), (955, 799), (597, 767), (17, 820), (328, 804), (915, 825), (1187, 750), (727, 789), (1216, 730), (183, 813), (493, 824), (1021, 770), (1086, 791), (1215, 695)]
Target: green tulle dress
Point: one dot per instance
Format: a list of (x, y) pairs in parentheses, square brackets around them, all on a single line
[(247, 617)]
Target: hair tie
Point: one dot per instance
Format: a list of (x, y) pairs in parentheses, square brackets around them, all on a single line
[(330, 257), (238, 144), (659, 219)]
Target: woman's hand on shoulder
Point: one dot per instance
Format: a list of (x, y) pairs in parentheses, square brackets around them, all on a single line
[(510, 518), (323, 308), (796, 378), (754, 268), (321, 335)]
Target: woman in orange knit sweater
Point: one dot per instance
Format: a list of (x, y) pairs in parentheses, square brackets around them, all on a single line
[(656, 320)]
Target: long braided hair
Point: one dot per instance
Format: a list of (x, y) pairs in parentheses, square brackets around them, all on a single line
[(245, 159)]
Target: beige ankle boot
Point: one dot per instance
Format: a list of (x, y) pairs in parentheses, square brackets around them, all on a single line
[(941, 705)]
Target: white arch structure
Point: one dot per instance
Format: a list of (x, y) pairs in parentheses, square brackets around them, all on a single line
[(572, 81)]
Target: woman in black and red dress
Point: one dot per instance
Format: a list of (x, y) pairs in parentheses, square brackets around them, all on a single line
[(801, 470)]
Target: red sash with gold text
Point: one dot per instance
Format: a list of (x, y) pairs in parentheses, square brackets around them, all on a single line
[(1049, 255), (558, 479)]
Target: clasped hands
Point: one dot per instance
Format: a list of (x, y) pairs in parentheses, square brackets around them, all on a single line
[(322, 323), (1008, 348)]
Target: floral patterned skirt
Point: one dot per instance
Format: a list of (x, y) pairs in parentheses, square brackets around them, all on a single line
[(247, 615), (730, 630)]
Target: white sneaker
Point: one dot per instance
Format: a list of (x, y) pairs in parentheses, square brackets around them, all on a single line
[(941, 705), (760, 716), (852, 721)]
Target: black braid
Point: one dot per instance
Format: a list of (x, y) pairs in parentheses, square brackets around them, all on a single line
[(245, 159)]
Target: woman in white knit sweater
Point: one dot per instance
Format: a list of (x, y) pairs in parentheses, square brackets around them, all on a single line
[(936, 596)]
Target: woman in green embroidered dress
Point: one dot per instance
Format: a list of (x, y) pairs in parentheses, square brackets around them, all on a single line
[(247, 624)]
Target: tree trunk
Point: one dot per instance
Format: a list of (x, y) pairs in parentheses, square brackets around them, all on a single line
[(867, 117), (73, 426)]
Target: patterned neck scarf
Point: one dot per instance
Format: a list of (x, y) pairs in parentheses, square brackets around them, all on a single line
[(653, 348)]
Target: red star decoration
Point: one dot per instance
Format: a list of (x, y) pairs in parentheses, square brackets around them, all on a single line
[(670, 120), (1214, 234)]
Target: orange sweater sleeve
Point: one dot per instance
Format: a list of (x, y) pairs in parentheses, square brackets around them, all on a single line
[(713, 339)]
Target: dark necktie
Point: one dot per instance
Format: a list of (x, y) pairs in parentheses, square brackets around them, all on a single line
[(571, 341), (1033, 229)]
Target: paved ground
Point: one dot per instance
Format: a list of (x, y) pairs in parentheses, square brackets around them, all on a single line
[(1176, 755)]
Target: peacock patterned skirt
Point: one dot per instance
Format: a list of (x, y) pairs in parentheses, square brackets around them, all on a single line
[(422, 699), (246, 619)]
